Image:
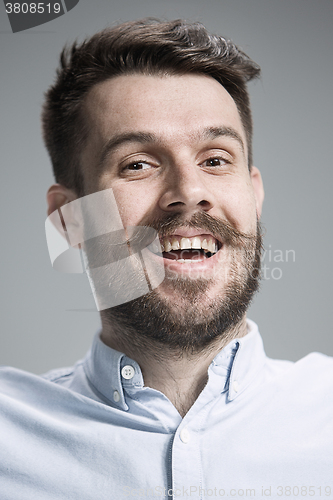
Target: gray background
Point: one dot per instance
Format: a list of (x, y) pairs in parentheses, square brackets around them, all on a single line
[(42, 326)]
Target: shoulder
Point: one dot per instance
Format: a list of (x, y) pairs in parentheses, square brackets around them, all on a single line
[(15, 382), (316, 367), (310, 378), (30, 400), (28, 388), (313, 365), (60, 375), (314, 361)]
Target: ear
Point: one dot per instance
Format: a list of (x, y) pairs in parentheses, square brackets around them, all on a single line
[(57, 196), (258, 189), (66, 221)]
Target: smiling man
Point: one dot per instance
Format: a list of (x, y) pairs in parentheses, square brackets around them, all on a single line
[(176, 397), (179, 164)]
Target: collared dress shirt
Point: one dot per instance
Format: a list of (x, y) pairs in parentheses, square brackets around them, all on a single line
[(260, 428)]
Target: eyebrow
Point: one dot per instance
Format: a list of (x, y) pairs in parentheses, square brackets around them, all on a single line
[(215, 132), (120, 139), (150, 138)]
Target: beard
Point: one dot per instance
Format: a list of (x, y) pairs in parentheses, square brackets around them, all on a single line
[(190, 321)]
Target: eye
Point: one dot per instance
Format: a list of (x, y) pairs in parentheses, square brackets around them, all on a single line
[(137, 165), (215, 162)]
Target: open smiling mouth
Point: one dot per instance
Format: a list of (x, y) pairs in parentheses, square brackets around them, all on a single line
[(189, 249)]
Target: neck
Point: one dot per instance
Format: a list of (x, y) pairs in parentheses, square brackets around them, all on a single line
[(180, 376)]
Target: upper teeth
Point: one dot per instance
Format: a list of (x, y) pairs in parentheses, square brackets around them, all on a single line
[(197, 242)]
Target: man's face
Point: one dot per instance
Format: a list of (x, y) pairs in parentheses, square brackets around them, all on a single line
[(174, 152), (173, 145)]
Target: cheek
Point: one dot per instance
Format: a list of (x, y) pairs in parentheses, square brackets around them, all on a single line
[(239, 208), (133, 204)]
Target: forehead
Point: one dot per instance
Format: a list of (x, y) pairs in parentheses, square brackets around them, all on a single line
[(176, 106)]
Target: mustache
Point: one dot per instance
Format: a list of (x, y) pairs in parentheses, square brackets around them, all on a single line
[(222, 230)]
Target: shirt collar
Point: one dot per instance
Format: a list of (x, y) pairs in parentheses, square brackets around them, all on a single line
[(110, 372), (248, 361), (104, 368)]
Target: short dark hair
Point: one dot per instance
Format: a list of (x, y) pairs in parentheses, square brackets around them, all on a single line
[(147, 46)]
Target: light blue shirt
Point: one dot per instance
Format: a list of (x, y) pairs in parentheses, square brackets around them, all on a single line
[(260, 428)]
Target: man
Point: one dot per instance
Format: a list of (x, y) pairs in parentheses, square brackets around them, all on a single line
[(176, 397)]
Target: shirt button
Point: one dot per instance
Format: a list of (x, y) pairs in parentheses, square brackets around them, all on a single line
[(128, 372), (184, 435), (235, 386), (116, 396)]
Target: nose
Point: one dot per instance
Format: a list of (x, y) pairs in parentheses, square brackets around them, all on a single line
[(185, 190)]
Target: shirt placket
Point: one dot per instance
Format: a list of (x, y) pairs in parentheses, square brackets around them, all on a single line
[(186, 463)]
